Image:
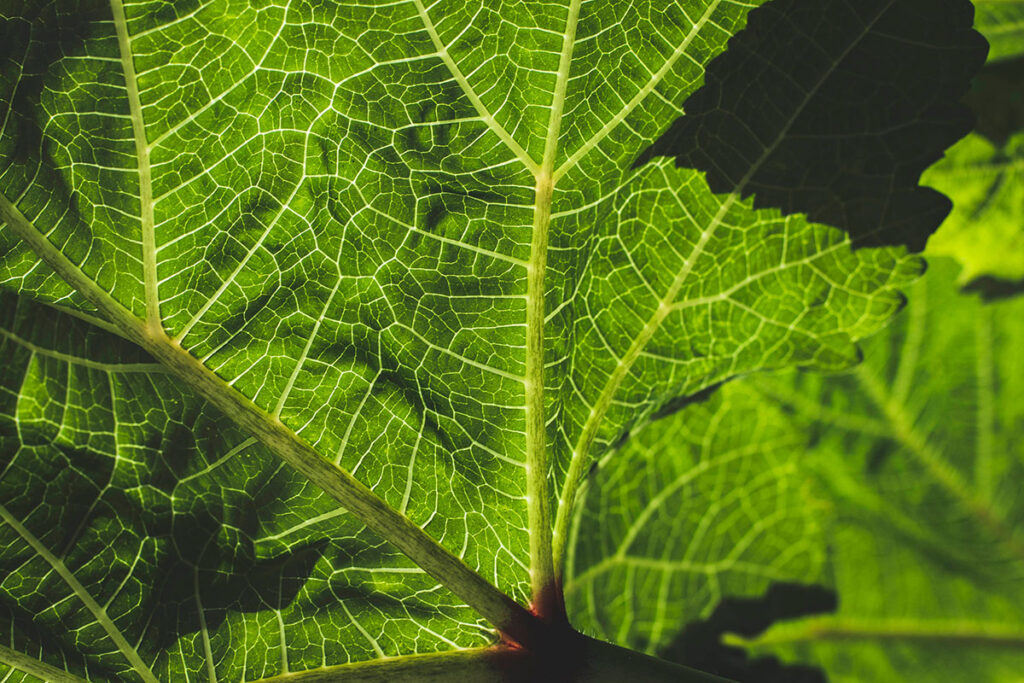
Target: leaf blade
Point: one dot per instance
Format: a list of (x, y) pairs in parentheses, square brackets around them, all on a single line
[(349, 234), (159, 499)]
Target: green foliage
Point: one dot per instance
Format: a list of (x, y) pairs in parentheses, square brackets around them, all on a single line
[(709, 502), (985, 232), (180, 526), (902, 474), (919, 451), (409, 249), (1002, 23), (982, 172)]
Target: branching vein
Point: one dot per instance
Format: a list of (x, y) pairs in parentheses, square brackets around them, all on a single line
[(460, 78), (97, 611)]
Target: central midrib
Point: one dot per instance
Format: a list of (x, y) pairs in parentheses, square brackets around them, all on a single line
[(547, 595)]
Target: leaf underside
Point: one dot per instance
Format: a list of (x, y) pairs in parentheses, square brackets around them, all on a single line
[(344, 211)]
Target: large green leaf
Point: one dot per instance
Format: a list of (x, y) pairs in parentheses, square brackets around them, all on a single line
[(405, 247)]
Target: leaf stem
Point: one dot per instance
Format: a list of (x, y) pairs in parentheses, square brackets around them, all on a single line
[(575, 659), (513, 620)]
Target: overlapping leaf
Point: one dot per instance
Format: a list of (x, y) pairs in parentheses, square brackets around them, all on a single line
[(707, 503), (920, 449), (981, 173), (339, 209), (918, 455), (985, 231)]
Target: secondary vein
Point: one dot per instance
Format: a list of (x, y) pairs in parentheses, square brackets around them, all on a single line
[(143, 368), (460, 78), (641, 94), (211, 670), (851, 628), (145, 173), (945, 475), (98, 613), (35, 667)]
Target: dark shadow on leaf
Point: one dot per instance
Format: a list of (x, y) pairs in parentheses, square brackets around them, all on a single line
[(671, 407), (226, 577), (994, 288), (997, 99), (700, 644), (43, 34), (833, 108), (675, 405)]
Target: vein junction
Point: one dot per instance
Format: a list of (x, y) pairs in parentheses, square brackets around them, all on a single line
[(458, 395)]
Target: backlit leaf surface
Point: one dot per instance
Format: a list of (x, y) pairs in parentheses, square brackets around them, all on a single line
[(1002, 23), (706, 503), (389, 225)]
